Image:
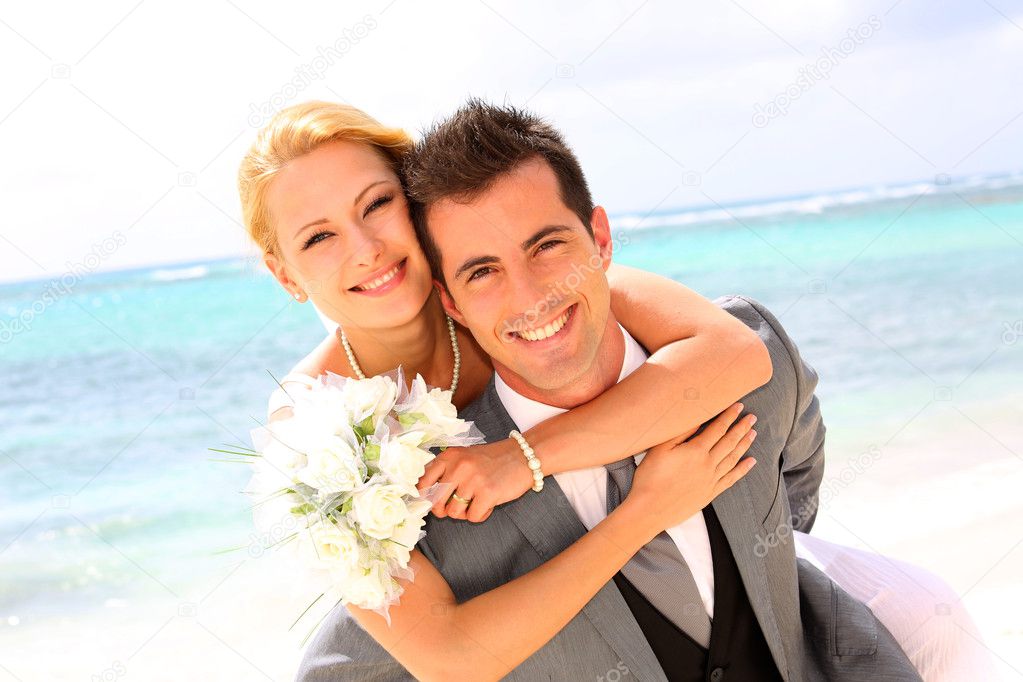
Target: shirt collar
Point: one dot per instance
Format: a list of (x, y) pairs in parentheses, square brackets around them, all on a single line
[(527, 413)]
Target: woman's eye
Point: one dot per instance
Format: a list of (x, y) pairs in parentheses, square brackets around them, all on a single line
[(479, 273), (315, 239), (377, 203)]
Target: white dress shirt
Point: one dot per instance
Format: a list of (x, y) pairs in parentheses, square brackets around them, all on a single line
[(586, 489)]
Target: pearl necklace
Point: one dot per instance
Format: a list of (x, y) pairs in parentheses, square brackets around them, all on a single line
[(454, 347)]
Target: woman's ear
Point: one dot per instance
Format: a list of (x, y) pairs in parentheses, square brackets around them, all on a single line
[(449, 303), (280, 272), (602, 235)]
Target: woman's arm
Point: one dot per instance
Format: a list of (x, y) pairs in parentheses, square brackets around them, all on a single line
[(484, 638), (302, 377), (436, 638), (703, 359)]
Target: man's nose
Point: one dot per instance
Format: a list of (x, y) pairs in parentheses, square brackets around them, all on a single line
[(531, 296)]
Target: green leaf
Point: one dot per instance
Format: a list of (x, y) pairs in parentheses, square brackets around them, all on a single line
[(410, 418), (239, 447), (240, 453), (317, 625), (230, 549), (287, 538), (303, 509), (305, 611)]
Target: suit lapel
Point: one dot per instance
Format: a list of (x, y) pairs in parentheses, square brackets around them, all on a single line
[(734, 509), (549, 523)]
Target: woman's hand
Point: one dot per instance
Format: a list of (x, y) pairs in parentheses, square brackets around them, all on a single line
[(487, 475), (679, 478)]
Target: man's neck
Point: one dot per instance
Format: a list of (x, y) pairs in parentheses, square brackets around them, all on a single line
[(601, 375)]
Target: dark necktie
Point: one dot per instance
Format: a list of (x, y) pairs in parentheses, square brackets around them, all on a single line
[(658, 570)]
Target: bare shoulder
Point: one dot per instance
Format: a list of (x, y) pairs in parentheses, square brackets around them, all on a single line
[(301, 377)]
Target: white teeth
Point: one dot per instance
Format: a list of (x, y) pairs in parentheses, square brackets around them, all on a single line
[(379, 281), (546, 332)]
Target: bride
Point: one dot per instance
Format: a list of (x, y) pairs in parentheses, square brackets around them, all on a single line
[(359, 263)]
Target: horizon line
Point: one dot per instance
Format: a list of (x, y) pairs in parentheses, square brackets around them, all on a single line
[(691, 208)]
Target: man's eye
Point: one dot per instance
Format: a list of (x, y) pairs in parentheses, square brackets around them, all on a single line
[(479, 273), (315, 239), (548, 245), (377, 203)]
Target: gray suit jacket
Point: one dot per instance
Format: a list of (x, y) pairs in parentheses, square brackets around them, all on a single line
[(813, 628)]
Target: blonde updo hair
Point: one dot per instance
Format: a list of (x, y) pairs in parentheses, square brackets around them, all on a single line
[(294, 132)]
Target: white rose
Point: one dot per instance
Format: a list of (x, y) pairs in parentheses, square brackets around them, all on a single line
[(335, 547), (433, 413), (332, 466), (325, 409), (403, 461), (373, 397), (368, 587), (378, 509), (408, 534)]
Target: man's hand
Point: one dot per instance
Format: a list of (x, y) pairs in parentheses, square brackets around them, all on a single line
[(487, 475)]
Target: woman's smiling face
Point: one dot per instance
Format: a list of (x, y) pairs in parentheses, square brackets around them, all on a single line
[(345, 238)]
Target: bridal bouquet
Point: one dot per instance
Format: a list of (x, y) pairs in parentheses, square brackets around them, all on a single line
[(337, 481)]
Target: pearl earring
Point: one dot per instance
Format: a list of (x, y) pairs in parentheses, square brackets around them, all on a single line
[(298, 296)]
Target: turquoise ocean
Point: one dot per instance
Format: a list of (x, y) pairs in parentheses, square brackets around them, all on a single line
[(113, 391)]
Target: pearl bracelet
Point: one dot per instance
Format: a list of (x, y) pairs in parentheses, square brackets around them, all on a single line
[(531, 460)]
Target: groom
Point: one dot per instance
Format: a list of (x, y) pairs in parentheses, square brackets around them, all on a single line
[(505, 217)]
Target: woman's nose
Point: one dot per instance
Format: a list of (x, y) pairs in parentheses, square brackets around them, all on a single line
[(368, 248)]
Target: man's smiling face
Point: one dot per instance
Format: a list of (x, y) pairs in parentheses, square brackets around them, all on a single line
[(525, 276)]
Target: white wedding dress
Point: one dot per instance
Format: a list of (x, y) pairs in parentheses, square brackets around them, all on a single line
[(921, 610)]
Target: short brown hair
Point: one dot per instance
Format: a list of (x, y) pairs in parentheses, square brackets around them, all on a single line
[(461, 157)]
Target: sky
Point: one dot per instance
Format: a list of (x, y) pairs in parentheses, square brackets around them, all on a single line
[(122, 123)]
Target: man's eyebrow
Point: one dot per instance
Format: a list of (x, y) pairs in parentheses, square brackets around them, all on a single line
[(357, 200), (543, 232), (473, 262), (488, 260)]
